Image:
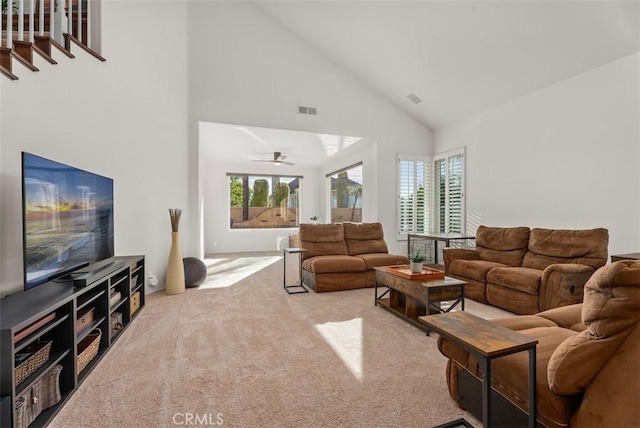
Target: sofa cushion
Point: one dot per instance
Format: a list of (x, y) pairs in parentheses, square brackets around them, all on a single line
[(322, 239), (334, 264), (474, 269), (382, 259), (505, 245), (509, 376), (517, 278), (612, 396), (611, 309), (523, 322), (569, 316), (334, 281), (550, 246), (511, 300), (364, 238)]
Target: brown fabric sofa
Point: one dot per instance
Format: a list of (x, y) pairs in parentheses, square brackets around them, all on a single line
[(588, 359), (341, 256), (526, 271)]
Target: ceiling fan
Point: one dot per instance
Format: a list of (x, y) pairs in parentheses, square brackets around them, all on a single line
[(278, 159)]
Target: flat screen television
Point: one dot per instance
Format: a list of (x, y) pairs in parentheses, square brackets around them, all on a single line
[(67, 219)]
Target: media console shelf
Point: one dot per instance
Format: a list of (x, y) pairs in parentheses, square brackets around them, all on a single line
[(65, 316)]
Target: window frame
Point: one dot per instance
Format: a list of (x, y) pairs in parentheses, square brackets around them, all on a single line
[(328, 177), (433, 220), (447, 157), (414, 160), (298, 193)]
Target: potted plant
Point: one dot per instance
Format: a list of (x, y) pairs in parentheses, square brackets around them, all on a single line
[(314, 219), (416, 262)]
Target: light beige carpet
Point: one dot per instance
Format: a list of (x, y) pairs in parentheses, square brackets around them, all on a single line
[(240, 352)]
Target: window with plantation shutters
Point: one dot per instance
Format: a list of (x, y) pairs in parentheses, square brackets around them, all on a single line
[(414, 186), (431, 194), (449, 213)]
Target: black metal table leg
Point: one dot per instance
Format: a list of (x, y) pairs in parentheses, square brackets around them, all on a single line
[(532, 388), (299, 286)]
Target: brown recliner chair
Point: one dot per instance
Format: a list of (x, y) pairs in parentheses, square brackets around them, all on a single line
[(588, 359)]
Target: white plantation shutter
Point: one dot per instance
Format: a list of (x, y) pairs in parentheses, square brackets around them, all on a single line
[(414, 190), (449, 192), (455, 220), (423, 196), (406, 209), (431, 194), (439, 195)]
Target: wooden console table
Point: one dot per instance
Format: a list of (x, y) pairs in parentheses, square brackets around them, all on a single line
[(486, 341)]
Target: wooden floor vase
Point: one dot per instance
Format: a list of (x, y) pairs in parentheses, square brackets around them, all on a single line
[(175, 267)]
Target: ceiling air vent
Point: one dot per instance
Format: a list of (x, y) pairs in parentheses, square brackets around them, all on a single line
[(413, 97), (307, 110)]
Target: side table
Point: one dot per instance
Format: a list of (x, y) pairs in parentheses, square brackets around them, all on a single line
[(631, 256), (287, 288), (486, 341)]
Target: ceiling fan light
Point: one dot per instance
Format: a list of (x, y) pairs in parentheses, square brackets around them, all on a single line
[(277, 163)]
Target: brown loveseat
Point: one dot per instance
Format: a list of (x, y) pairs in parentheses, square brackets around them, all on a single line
[(342, 256), (588, 359), (526, 271)]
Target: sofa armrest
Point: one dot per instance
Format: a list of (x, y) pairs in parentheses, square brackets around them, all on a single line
[(563, 284), (569, 316), (451, 254)]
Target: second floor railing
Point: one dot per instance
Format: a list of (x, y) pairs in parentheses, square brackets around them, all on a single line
[(27, 23)]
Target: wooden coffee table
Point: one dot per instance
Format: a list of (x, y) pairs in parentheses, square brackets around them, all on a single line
[(411, 299)]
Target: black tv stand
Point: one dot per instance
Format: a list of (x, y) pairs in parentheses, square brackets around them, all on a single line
[(56, 312)]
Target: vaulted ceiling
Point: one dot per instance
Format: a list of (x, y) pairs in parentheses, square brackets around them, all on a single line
[(462, 57)]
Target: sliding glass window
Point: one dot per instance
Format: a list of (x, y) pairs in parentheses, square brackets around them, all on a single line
[(345, 194), (264, 201)]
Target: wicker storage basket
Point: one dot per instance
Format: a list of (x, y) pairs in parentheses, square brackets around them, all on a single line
[(88, 348), (34, 362), (42, 395)]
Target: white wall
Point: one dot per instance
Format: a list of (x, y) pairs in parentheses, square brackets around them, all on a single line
[(246, 69), (124, 119), (567, 156)]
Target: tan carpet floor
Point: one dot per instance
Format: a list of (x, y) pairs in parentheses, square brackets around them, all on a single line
[(240, 352)]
